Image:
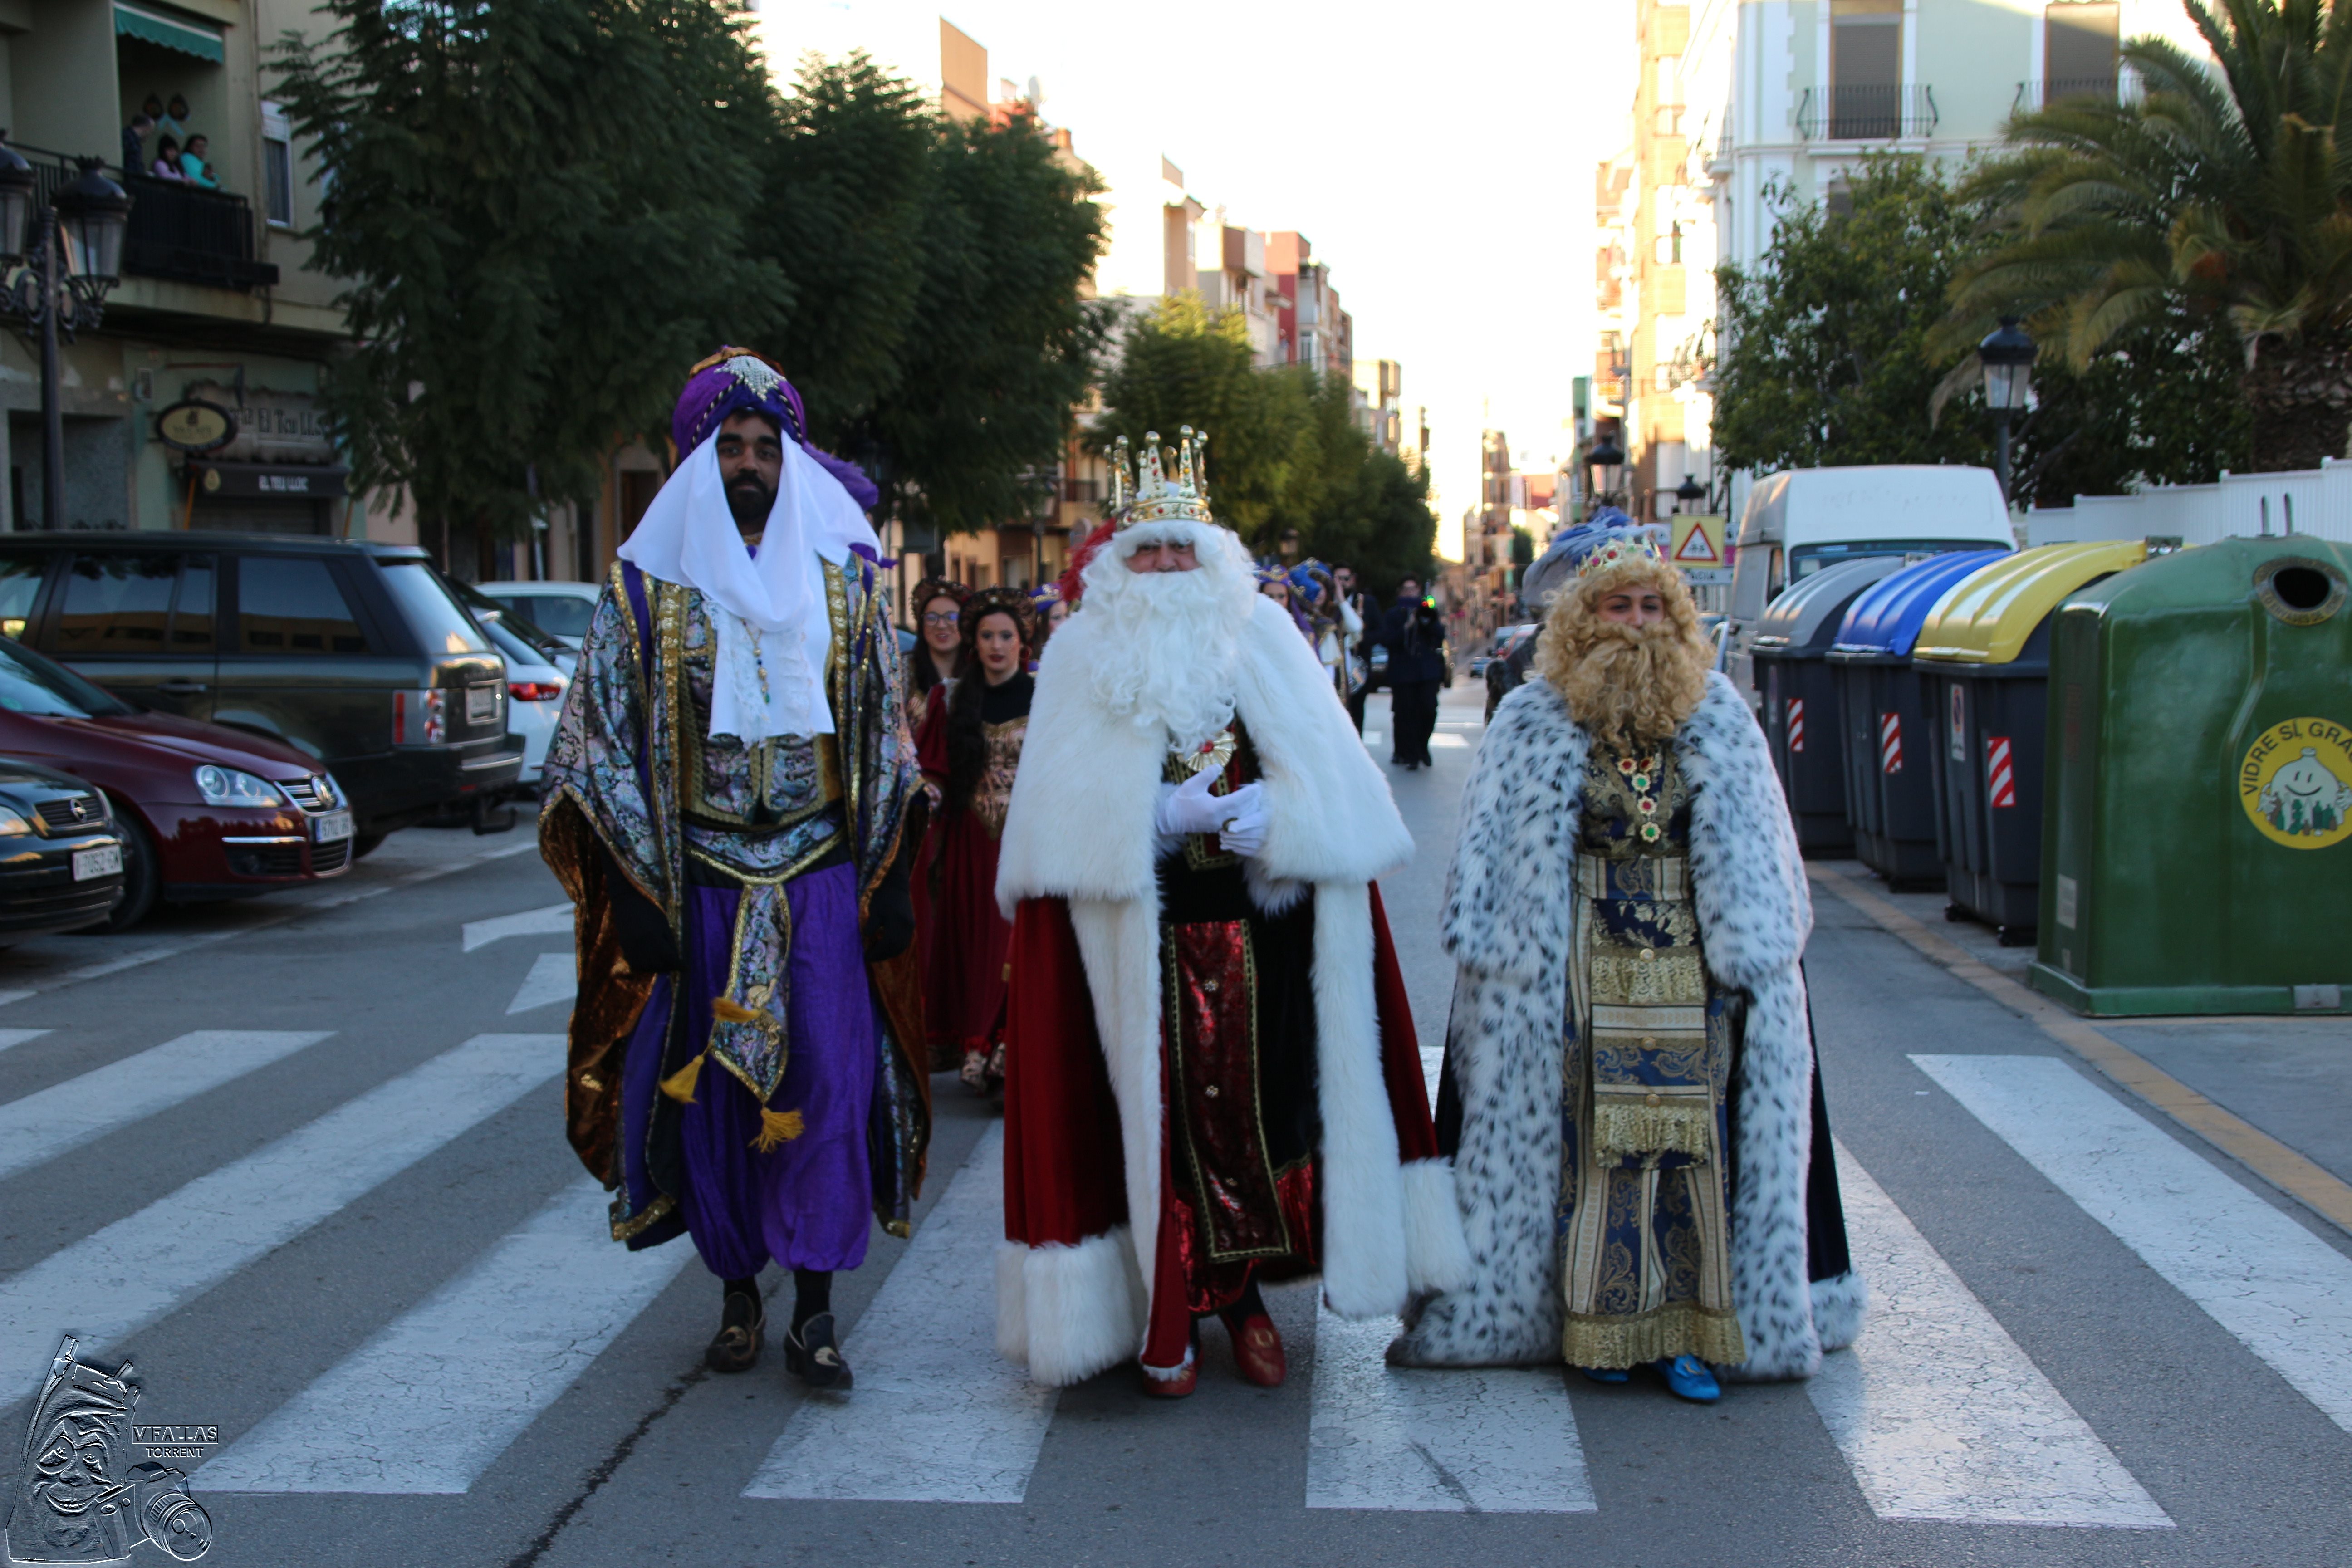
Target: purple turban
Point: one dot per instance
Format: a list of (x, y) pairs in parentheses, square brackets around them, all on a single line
[(737, 381)]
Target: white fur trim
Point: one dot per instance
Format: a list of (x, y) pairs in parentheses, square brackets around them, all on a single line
[(1437, 1253), (1120, 944), (1169, 1373), (1838, 1307), (1363, 1184), (1067, 1312)]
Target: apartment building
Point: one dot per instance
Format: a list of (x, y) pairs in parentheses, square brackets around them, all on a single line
[(1310, 328), (1744, 104), (217, 301)]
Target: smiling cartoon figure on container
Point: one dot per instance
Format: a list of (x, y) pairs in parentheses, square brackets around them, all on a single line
[(2294, 783)]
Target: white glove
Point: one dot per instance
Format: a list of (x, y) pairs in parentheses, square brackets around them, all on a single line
[(1239, 818)]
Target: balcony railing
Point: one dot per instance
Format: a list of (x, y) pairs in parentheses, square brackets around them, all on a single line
[(178, 232), (1867, 113), (2033, 95)]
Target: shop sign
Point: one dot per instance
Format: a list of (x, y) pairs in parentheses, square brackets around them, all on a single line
[(2296, 783), (272, 426), (196, 425)]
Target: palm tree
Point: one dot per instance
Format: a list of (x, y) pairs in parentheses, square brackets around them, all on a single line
[(2220, 193)]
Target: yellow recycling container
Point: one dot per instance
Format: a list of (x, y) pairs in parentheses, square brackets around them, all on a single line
[(1983, 658)]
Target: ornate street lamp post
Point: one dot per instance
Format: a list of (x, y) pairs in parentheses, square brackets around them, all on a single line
[(1606, 466), (2008, 358), (64, 270), (1689, 495)]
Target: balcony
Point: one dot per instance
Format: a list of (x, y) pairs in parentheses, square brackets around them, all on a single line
[(177, 231), (1867, 113)]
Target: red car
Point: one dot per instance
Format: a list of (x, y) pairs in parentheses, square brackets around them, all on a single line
[(204, 812)]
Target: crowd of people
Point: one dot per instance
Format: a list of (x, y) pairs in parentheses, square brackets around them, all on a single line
[(1112, 850), (179, 155)]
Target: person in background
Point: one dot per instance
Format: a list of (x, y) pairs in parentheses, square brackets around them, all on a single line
[(195, 164), (970, 746), (166, 165), (1047, 604), (1359, 650), (134, 143), (1415, 639), (172, 120), (939, 613)]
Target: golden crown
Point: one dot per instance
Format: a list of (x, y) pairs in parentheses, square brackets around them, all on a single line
[(1617, 550), (1168, 486)]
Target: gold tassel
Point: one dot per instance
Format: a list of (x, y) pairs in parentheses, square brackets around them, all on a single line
[(727, 1010), (776, 1127), (679, 1085)]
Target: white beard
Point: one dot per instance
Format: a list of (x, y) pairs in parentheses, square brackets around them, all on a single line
[(1172, 644)]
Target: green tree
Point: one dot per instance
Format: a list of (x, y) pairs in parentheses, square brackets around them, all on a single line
[(1836, 351), (537, 212), (2216, 197), (1002, 345)]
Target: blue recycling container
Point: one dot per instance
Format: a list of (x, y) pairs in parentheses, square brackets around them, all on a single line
[(1799, 697), (1890, 794)]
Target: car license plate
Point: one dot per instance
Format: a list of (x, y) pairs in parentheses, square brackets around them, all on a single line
[(481, 704), (106, 860), (331, 826)]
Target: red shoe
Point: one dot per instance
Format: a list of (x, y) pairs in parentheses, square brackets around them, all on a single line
[(1172, 1384), (1257, 1348)]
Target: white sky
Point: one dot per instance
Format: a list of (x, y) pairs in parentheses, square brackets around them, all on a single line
[(1438, 155)]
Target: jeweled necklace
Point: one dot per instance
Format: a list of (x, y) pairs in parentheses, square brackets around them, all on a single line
[(1642, 773)]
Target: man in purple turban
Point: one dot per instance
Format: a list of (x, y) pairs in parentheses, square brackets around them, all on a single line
[(730, 785)]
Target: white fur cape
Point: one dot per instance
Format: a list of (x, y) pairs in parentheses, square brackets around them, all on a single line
[(1509, 903), (1079, 827)]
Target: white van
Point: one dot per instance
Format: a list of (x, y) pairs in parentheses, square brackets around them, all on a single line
[(1801, 520)]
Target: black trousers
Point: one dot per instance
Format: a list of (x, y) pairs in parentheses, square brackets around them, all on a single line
[(1413, 712), (1356, 707)]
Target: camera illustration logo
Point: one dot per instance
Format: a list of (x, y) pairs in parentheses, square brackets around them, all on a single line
[(75, 1503)]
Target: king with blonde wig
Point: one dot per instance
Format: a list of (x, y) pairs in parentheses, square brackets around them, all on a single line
[(1631, 685)]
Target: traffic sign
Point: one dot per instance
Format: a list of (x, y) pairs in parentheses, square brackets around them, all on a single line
[(1698, 548)]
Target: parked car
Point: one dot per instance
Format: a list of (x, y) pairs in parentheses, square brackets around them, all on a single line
[(201, 811), (61, 857), (1800, 520), (559, 609), (538, 674), (353, 653)]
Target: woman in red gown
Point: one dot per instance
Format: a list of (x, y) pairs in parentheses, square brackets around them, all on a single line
[(969, 744)]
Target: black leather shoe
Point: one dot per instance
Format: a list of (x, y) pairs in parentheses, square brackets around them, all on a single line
[(813, 1356), (741, 1324)]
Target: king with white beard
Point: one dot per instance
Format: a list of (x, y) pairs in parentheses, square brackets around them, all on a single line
[(1212, 1076)]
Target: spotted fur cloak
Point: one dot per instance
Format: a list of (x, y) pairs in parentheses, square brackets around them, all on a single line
[(1508, 910)]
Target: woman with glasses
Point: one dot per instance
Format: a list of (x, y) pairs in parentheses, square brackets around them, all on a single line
[(939, 608)]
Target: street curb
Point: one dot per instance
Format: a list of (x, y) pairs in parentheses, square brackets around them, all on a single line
[(2299, 1177)]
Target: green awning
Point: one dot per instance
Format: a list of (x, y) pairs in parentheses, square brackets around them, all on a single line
[(185, 34)]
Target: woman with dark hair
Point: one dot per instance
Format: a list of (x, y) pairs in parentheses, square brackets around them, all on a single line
[(969, 744), (938, 605)]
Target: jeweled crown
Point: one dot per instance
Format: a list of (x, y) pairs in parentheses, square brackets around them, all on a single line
[(1167, 486), (1617, 550)]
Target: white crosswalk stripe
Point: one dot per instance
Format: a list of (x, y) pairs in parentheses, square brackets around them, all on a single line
[(937, 1415), (132, 1272), (2282, 1291), (1940, 1413), (1482, 1440), (548, 921), (553, 978), (431, 1401), (17, 1036), (40, 1127)]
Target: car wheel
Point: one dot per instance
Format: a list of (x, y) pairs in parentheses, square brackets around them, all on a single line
[(364, 844), (142, 875)]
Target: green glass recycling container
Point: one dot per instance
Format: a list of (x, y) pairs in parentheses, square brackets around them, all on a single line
[(2197, 841)]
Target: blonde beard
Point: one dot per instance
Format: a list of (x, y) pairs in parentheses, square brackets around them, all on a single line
[(1170, 642), (1632, 686)]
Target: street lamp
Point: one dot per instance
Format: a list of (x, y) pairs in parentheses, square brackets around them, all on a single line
[(1689, 494), (1606, 465), (70, 262), (2008, 359)]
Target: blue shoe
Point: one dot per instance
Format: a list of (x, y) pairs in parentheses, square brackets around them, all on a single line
[(1607, 1373), (1687, 1378)]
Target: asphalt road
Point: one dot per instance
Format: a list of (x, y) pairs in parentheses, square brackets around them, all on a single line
[(302, 1162)]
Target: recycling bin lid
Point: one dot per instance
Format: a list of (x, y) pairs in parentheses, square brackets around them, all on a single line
[(1806, 617), (1887, 617), (1986, 618)]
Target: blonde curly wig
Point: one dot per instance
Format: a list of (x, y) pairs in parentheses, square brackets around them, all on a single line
[(1632, 688)]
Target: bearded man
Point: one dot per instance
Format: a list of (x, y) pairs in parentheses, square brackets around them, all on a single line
[(1212, 1077), (1630, 1088), (730, 786)]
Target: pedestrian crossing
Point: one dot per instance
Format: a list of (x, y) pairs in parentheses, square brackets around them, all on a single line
[(553, 977), (1938, 1414)]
